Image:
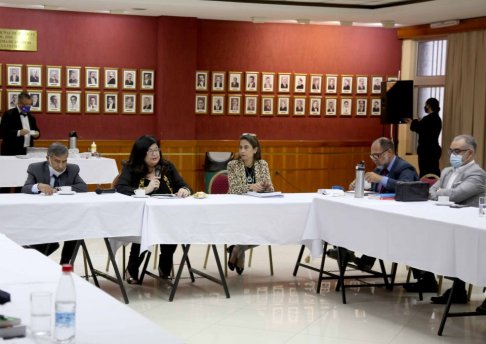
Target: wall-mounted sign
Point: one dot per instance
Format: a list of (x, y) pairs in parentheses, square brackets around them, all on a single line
[(19, 40)]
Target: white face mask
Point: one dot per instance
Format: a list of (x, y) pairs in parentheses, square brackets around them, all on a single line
[(53, 171)]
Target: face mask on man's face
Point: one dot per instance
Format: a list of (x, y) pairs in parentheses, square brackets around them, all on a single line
[(53, 171), (25, 109)]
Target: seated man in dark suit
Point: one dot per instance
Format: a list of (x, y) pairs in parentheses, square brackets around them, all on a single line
[(389, 170), (47, 177)]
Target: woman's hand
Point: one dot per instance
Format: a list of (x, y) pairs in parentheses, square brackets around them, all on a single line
[(154, 184), (266, 185), (183, 193), (257, 187)]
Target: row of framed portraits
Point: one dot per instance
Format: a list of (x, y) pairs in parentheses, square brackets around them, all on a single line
[(129, 79), (93, 102), (285, 105), (287, 82)]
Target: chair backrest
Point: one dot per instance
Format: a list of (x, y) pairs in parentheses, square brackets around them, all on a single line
[(114, 183), (219, 183), (430, 178)]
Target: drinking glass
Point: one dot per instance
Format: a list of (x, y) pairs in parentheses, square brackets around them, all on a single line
[(40, 311)]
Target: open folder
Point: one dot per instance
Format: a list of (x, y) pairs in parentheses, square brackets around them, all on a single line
[(264, 194)]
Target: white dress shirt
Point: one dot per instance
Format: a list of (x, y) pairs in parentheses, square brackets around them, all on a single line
[(455, 173), (25, 125)]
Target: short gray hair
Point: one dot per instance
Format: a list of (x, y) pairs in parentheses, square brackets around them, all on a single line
[(57, 149), (470, 141), (385, 144)]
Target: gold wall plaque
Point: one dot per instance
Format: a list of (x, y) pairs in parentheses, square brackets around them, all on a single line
[(19, 40)]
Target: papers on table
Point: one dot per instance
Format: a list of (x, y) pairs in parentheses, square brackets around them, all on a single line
[(331, 192), (264, 194), (164, 196)]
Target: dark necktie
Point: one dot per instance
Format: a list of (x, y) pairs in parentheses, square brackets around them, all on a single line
[(383, 173), (56, 181)]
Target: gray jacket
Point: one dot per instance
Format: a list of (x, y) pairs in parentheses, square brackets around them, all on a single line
[(467, 188)]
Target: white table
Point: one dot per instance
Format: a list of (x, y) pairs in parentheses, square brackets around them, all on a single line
[(13, 171), (99, 317), (446, 241)]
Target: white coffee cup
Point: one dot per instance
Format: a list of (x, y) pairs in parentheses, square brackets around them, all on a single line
[(139, 192), (66, 188), (443, 199)]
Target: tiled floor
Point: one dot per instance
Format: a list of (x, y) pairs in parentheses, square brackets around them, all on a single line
[(286, 309)]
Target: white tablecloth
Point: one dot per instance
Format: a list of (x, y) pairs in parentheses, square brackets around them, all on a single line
[(99, 317), (36, 219), (449, 242), (13, 171), (223, 219)]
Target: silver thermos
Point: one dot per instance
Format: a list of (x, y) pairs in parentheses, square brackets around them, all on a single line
[(73, 140), (359, 187)]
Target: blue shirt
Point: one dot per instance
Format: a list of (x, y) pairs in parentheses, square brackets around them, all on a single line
[(384, 181)]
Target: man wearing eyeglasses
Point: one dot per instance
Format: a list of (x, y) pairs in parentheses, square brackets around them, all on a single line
[(389, 170)]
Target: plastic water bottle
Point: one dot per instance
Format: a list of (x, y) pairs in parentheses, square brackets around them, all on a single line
[(359, 187), (93, 148), (64, 329)]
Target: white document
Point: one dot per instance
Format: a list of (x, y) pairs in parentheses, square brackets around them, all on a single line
[(264, 194)]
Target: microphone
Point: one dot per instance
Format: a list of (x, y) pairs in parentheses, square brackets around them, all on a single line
[(157, 174), (100, 191)]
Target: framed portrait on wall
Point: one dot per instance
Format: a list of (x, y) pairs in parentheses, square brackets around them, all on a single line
[(147, 79), (362, 84), (92, 102), (376, 81), (12, 99), (202, 80), (37, 100), (299, 105), (73, 102), (331, 106), (391, 78), (201, 104), (251, 81), (92, 77), (1, 100), (34, 76), (375, 106), (129, 103), (111, 102), (1, 74), (129, 79), (54, 101), (234, 104), (251, 105), (14, 75), (234, 81), (316, 83), (268, 80), (217, 104), (284, 82), (315, 106), (73, 77), (300, 82), (53, 76), (218, 81), (147, 103), (347, 84), (346, 106), (362, 107), (283, 105), (267, 105), (111, 77), (331, 83)]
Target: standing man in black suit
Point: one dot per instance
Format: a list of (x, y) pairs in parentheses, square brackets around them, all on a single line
[(47, 177)]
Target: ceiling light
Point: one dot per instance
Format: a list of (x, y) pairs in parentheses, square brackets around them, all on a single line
[(303, 21), (51, 7), (258, 20), (446, 23), (117, 11), (388, 24), (346, 23)]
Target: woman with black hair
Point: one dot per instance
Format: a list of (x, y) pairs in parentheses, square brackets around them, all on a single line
[(428, 128), (139, 173)]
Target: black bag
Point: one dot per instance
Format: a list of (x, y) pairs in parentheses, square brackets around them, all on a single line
[(412, 191)]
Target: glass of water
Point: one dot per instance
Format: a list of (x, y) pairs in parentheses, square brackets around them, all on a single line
[(40, 311), (482, 206)]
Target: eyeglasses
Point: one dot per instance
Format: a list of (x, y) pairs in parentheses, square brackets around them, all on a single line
[(152, 152), (249, 134), (456, 151), (376, 156)]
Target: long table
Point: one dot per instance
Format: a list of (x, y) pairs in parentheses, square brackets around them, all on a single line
[(99, 317), (13, 171)]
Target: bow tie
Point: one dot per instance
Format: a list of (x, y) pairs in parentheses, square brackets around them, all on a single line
[(23, 114)]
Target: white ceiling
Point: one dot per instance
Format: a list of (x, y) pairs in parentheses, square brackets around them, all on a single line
[(421, 13)]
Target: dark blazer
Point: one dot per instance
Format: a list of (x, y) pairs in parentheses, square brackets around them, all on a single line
[(34, 79), (9, 126), (128, 182), (401, 171), (429, 129), (128, 83), (235, 84), (112, 81), (15, 79), (39, 173), (147, 107)]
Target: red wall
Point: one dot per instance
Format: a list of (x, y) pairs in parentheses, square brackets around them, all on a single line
[(284, 48), (176, 47)]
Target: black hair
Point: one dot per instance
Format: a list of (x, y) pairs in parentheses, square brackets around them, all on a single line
[(24, 95), (434, 104), (136, 164), (253, 141)]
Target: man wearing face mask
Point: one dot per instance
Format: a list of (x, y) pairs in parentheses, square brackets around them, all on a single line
[(389, 170), (428, 128), (47, 177)]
